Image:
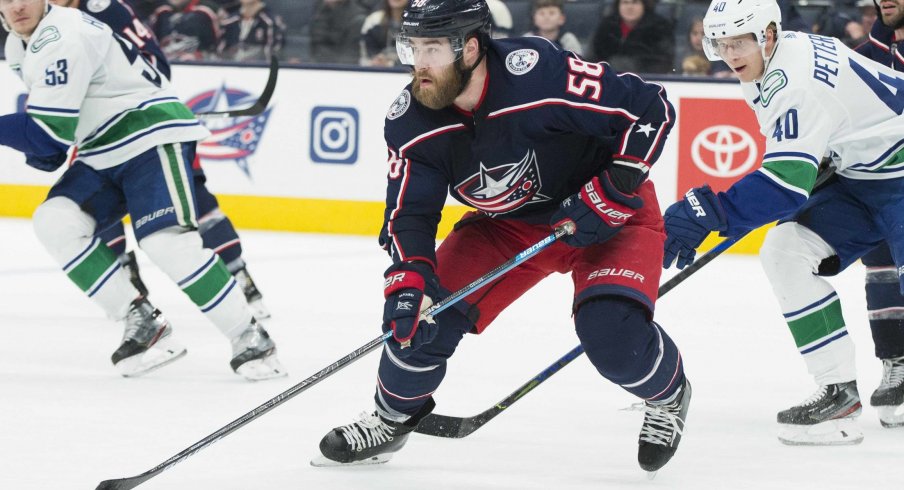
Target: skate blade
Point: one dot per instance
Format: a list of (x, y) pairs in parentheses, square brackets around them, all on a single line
[(891, 416), (165, 351), (324, 462), (262, 369), (838, 432), (651, 474)]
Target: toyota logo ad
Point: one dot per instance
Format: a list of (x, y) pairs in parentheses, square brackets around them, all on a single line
[(719, 142)]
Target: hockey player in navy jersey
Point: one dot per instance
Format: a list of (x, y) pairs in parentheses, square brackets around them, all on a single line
[(812, 95), (90, 88), (215, 227), (532, 137)]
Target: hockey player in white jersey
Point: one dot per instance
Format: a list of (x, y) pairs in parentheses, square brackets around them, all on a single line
[(811, 95), (91, 88)]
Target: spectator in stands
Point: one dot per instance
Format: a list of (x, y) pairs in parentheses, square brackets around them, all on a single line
[(549, 17), (632, 37), (379, 32), (144, 8), (336, 31), (690, 58), (695, 65), (791, 18), (187, 29), (251, 32), (853, 30), (500, 19)]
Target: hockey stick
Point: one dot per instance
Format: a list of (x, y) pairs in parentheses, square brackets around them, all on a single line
[(259, 106), (132, 482), (458, 427)]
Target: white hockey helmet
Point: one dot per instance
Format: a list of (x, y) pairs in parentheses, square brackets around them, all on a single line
[(8, 29), (729, 18)]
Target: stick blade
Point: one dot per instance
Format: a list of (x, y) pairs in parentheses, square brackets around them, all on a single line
[(259, 106), (438, 425), (122, 483)]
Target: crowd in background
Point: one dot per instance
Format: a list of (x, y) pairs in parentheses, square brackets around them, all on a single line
[(643, 36)]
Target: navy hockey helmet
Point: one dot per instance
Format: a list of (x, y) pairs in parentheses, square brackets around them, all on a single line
[(456, 20)]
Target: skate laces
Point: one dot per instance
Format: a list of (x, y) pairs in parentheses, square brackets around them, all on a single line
[(815, 397), (140, 324), (660, 425), (892, 372), (368, 431)]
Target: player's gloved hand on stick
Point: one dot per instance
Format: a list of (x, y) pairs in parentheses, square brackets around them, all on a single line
[(600, 209), (408, 289), (688, 222)]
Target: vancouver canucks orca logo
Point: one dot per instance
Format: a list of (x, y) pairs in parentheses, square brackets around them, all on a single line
[(504, 188), (232, 139)]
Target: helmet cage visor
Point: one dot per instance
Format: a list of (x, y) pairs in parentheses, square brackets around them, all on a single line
[(428, 52), (717, 49)]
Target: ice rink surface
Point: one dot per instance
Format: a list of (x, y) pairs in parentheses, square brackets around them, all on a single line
[(68, 421)]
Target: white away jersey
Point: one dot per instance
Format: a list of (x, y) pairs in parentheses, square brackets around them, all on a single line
[(817, 95), (89, 88)]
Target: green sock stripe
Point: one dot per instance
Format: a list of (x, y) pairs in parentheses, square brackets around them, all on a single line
[(817, 325), (209, 285), (179, 193), (95, 265)]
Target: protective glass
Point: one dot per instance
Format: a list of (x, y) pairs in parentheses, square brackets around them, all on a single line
[(729, 47), (428, 52)]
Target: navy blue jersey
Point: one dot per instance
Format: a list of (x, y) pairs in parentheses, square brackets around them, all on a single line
[(256, 38), (883, 47), (547, 123), (122, 19), (190, 32)]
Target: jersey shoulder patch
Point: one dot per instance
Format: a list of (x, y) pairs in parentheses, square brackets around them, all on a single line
[(96, 6), (399, 105), (773, 82), (521, 61), (47, 35)]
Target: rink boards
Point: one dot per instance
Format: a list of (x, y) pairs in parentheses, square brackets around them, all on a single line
[(316, 160)]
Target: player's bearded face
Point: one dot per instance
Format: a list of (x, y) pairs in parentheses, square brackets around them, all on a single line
[(438, 87), (892, 12)]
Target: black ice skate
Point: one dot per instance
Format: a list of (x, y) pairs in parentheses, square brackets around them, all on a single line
[(889, 396), (663, 425), (130, 263), (252, 294), (826, 418), (254, 354), (147, 343), (369, 440)]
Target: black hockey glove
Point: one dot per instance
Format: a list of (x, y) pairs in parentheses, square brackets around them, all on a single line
[(404, 290), (599, 210)]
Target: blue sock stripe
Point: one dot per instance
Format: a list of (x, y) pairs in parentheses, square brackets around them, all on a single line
[(200, 272), (823, 343), (107, 275), (84, 253), (811, 306), (219, 298)]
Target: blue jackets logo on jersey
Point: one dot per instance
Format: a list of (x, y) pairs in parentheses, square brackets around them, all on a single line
[(233, 139), (504, 188), (98, 5), (399, 106), (521, 61)]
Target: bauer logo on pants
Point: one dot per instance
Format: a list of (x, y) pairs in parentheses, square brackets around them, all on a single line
[(334, 135)]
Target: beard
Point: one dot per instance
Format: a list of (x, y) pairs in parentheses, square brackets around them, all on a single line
[(447, 85)]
